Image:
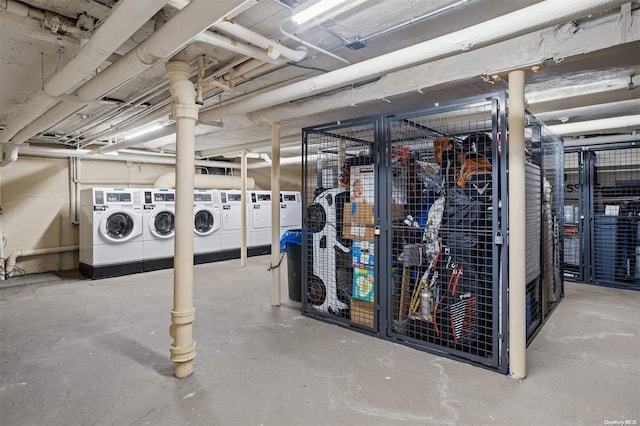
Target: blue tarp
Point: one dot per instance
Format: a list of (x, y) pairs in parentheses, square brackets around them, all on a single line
[(292, 236)]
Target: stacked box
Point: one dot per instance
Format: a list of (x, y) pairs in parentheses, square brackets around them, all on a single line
[(362, 312)]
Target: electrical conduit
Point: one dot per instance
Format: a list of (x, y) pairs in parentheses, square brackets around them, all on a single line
[(185, 111)]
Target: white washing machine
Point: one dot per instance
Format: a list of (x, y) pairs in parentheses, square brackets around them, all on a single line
[(290, 211), (110, 232), (231, 231), (206, 225), (260, 221), (158, 232), (324, 221)]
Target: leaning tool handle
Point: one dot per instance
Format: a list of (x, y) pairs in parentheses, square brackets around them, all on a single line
[(452, 285)]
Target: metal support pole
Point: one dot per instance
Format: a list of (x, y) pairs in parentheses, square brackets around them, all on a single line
[(243, 208), (517, 229), (275, 213), (185, 111)]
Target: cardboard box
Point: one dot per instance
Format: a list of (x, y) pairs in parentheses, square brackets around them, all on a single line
[(362, 254), (359, 220), (362, 312), (363, 284)]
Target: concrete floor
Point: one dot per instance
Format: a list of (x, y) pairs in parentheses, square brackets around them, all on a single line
[(78, 352)]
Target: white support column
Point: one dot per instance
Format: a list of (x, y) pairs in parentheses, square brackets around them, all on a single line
[(517, 229), (275, 213), (185, 111), (243, 208)]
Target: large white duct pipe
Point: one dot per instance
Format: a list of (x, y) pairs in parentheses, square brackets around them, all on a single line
[(170, 38), (144, 159), (185, 111), (517, 229), (125, 19), (12, 259), (273, 48), (168, 180), (537, 16), (602, 140), (624, 123)]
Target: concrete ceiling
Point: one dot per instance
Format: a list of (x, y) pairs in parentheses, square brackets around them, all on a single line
[(585, 69)]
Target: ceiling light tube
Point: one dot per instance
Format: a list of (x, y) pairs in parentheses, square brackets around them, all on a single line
[(144, 131), (312, 9)]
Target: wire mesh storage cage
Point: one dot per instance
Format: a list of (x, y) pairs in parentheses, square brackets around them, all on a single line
[(602, 215), (405, 226)]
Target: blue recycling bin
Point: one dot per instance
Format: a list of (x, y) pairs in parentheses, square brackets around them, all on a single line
[(291, 243)]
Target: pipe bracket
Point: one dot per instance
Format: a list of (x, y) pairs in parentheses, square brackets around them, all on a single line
[(185, 111), (183, 354), (183, 317)]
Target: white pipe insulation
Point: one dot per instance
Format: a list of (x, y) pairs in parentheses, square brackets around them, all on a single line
[(145, 159), (226, 43), (168, 180), (273, 48), (602, 140), (125, 19), (626, 123), (196, 17), (185, 111), (12, 259), (540, 15)]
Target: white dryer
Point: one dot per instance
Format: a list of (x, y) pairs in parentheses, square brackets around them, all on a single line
[(231, 231), (206, 225), (260, 212), (290, 211), (110, 232), (158, 232)]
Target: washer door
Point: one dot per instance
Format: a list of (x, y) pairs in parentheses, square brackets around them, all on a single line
[(205, 221), (120, 226), (162, 224)]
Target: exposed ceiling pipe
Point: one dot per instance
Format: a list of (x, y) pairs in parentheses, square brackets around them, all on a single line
[(167, 40), (283, 162), (313, 46), (537, 16), (602, 140), (223, 42), (9, 154), (273, 48), (626, 122), (69, 153), (125, 19), (610, 108)]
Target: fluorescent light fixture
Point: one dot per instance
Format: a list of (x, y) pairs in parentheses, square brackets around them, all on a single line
[(313, 8), (144, 131)]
